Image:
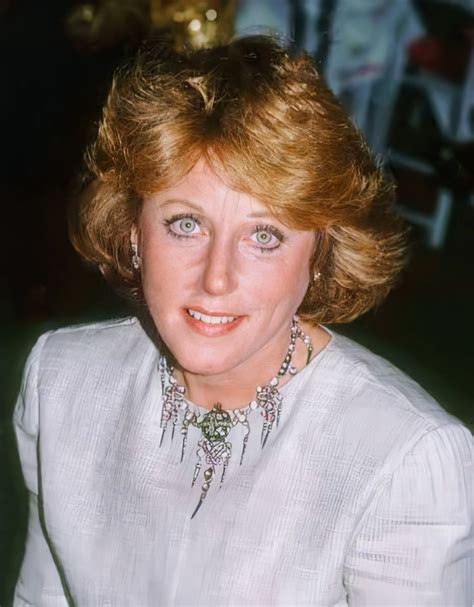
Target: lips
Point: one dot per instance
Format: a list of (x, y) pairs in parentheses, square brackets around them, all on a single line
[(211, 324)]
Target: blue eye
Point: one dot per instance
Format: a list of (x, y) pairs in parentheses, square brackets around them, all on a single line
[(187, 226), (263, 237), (182, 226), (267, 237)]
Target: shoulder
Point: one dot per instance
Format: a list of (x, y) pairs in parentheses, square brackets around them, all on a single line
[(384, 388), (94, 333), (377, 413), (96, 347), (111, 335), (73, 371)]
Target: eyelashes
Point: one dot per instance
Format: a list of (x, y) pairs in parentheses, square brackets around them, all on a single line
[(182, 226), (265, 237)]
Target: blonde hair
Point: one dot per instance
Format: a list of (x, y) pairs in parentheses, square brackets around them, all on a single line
[(267, 123)]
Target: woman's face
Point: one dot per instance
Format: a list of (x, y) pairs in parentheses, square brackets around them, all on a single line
[(222, 278)]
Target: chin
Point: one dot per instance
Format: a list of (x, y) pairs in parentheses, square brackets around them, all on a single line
[(202, 364)]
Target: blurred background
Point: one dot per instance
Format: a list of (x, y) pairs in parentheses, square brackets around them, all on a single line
[(404, 70)]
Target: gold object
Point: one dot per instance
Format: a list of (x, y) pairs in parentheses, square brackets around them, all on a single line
[(195, 23)]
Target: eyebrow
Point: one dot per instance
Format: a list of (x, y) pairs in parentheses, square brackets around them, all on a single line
[(261, 214), (186, 203), (196, 207)]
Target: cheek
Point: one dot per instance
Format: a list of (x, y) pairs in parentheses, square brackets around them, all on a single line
[(282, 282), (294, 276), (160, 259), (161, 271)]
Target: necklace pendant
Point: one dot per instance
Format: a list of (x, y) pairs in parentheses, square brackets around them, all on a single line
[(265, 433), (189, 420), (269, 400), (173, 399), (197, 468), (213, 447), (208, 476), (216, 424), (246, 438)]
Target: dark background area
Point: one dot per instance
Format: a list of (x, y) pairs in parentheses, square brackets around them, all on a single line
[(50, 101)]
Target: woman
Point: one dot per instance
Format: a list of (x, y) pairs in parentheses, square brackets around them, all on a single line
[(227, 449)]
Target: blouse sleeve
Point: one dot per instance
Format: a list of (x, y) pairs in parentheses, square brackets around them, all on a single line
[(39, 582), (415, 544)]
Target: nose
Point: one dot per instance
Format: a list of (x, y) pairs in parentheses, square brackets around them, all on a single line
[(219, 276)]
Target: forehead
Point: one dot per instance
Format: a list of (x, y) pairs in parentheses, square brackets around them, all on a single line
[(203, 187)]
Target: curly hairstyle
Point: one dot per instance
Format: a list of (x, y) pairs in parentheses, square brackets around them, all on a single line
[(269, 126)]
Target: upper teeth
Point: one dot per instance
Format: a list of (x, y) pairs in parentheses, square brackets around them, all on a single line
[(212, 320)]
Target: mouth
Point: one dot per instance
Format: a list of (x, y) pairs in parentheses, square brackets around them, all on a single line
[(211, 324)]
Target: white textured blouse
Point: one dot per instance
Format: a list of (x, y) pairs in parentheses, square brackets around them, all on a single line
[(362, 495)]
